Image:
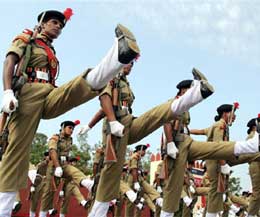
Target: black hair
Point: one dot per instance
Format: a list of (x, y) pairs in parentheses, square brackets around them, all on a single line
[(217, 117)]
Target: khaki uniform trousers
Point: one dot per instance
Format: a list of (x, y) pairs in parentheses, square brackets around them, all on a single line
[(215, 198), (190, 150), (244, 158), (36, 101), (135, 130), (70, 189), (69, 173), (36, 196), (149, 194), (254, 202)]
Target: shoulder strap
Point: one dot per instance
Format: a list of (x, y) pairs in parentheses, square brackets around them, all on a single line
[(53, 61)]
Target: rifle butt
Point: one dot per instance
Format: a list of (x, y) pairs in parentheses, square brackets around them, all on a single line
[(110, 154), (221, 183)]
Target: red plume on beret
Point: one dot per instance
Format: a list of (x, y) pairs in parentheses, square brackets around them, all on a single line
[(148, 145), (236, 105), (77, 122), (68, 13)]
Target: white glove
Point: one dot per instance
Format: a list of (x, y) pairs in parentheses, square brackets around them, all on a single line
[(187, 200), (131, 195), (9, 97), (58, 172), (61, 193), (84, 130), (172, 150), (192, 189), (137, 186), (159, 202), (225, 169), (83, 203), (117, 128), (159, 189), (140, 206), (32, 189), (234, 208), (113, 202), (224, 197)]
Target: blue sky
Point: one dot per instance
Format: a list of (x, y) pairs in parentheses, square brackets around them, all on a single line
[(221, 38)]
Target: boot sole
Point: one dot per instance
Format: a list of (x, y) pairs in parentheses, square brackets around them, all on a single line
[(129, 37), (198, 75), (208, 89)]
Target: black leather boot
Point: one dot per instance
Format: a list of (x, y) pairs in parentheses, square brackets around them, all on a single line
[(128, 49)]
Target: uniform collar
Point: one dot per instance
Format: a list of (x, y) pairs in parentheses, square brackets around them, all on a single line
[(44, 38), (222, 121)]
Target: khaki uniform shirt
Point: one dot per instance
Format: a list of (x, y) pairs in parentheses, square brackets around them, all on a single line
[(62, 144), (38, 57)]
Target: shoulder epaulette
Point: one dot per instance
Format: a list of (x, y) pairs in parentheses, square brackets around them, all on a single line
[(28, 32), (100, 150), (223, 126), (24, 36), (136, 156), (55, 137)]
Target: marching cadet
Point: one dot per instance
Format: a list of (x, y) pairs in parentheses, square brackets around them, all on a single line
[(124, 189), (70, 188), (116, 101), (218, 170), (39, 98), (254, 171), (159, 182), (181, 147), (137, 182), (39, 184), (60, 146)]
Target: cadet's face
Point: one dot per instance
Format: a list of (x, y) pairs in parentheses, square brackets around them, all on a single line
[(226, 116), (142, 153), (229, 117), (127, 69), (52, 28), (68, 130)]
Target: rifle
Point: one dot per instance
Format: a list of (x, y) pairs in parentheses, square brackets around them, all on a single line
[(96, 173), (222, 178), (164, 170), (59, 200), (110, 154), (19, 79)]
